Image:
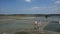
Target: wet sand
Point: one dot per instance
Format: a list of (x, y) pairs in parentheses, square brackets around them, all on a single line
[(12, 24)]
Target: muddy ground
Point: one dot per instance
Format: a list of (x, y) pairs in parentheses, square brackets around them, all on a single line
[(13, 24)]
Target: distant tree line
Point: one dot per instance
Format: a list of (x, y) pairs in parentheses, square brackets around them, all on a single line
[(46, 15)]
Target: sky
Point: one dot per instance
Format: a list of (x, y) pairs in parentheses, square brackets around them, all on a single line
[(29, 6)]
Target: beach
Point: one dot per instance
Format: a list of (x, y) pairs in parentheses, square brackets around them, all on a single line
[(13, 24)]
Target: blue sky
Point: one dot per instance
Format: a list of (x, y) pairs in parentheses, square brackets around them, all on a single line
[(29, 6)]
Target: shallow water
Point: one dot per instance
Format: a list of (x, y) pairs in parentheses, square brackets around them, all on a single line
[(19, 24), (53, 27)]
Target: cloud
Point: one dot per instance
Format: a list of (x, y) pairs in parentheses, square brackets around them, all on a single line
[(44, 10), (33, 8), (28, 0), (57, 2)]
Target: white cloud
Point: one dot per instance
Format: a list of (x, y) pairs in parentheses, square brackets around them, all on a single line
[(28, 0), (35, 7), (57, 2), (44, 10)]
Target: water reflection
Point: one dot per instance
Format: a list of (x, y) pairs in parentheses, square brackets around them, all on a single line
[(19, 24)]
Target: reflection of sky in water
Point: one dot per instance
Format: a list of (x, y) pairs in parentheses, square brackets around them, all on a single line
[(53, 27), (49, 18), (21, 24)]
